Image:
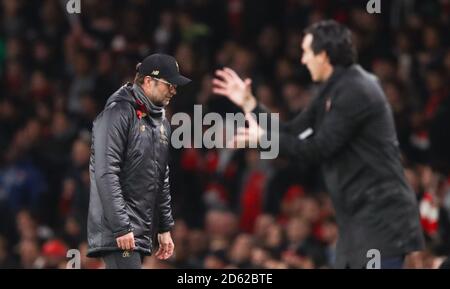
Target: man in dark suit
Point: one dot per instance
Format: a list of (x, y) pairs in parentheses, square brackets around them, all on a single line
[(349, 130)]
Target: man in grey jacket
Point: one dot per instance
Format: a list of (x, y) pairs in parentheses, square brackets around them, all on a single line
[(348, 129), (130, 195)]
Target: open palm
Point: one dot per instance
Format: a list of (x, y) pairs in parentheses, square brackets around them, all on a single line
[(229, 84)]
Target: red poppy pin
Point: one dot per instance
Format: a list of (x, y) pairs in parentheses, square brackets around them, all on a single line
[(141, 111)]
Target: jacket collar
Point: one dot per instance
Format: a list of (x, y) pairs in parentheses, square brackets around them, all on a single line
[(141, 109), (142, 100), (338, 72)]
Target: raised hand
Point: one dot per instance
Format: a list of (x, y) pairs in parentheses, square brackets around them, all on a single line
[(229, 84)]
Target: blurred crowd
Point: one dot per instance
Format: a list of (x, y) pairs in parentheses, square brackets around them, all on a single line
[(232, 209)]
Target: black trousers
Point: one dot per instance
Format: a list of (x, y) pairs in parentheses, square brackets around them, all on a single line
[(123, 260)]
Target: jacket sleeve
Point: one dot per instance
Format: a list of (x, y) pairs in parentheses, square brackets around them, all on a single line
[(349, 109), (166, 221), (110, 138), (301, 122)]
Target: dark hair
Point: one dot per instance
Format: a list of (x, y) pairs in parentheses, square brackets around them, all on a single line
[(138, 78), (335, 39)]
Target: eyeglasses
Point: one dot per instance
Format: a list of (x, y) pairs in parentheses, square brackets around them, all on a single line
[(171, 86)]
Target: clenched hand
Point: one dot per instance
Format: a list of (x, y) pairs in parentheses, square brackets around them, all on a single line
[(126, 242)]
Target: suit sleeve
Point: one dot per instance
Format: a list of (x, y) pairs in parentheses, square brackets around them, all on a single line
[(110, 138), (295, 126), (349, 109)]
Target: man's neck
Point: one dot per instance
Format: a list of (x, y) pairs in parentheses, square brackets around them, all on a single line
[(328, 71), (143, 92)]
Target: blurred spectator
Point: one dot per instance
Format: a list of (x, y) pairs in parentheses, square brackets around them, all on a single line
[(302, 251), (197, 247), (6, 260), (214, 260), (21, 180), (83, 82), (221, 225), (54, 254), (30, 257), (259, 257), (275, 241), (240, 251)]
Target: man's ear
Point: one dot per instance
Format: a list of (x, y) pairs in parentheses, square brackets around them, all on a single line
[(147, 81)]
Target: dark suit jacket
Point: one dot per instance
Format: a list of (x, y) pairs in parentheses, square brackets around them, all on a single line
[(353, 138)]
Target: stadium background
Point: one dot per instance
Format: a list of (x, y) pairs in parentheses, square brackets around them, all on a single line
[(232, 209)]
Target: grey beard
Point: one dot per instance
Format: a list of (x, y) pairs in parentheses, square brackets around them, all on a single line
[(153, 109)]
